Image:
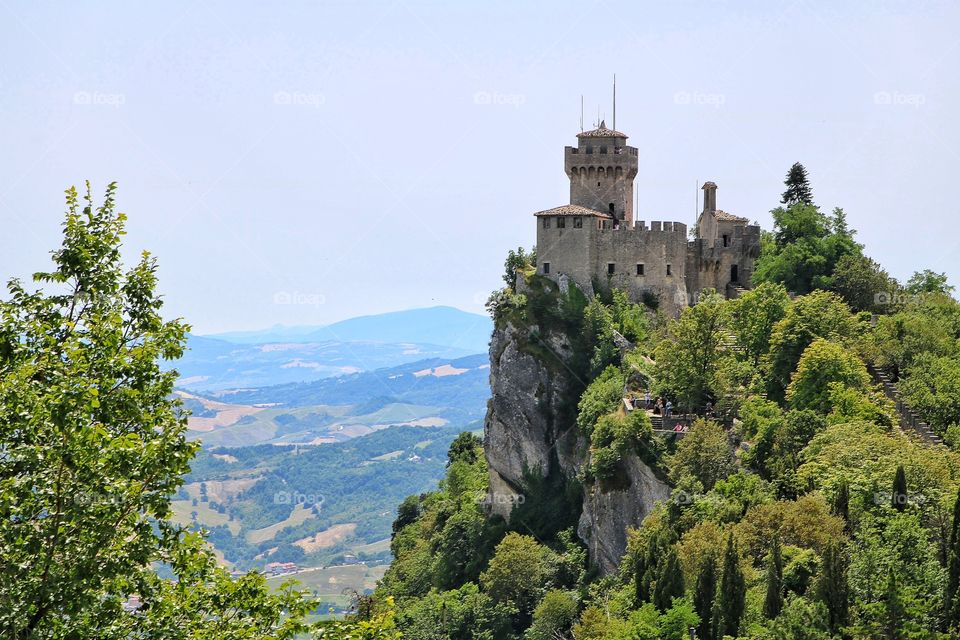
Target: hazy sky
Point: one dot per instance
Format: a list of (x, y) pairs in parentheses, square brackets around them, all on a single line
[(299, 163)]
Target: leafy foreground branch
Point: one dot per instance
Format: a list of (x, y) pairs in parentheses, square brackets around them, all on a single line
[(92, 448)]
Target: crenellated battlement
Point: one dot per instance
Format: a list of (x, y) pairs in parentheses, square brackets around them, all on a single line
[(600, 244)]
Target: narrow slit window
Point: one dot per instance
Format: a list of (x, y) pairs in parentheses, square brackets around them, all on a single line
[(669, 270), (611, 268), (546, 268), (639, 268)]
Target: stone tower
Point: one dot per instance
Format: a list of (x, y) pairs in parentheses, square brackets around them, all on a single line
[(601, 169)]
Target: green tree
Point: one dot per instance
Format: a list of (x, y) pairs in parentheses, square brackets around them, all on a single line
[(822, 364), (863, 284), (773, 602), (689, 359), (801, 620), (518, 260), (94, 447), (553, 617), (832, 587), (952, 602), (798, 186), (928, 281), (518, 574), (704, 453), (818, 315), (932, 389), (753, 316), (466, 447), (704, 594), (733, 591), (806, 247), (669, 583), (899, 497)]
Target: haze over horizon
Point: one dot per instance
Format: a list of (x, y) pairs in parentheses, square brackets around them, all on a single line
[(321, 162)]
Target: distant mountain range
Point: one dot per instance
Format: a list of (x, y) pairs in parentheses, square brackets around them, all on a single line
[(281, 355), (434, 392), (444, 326)]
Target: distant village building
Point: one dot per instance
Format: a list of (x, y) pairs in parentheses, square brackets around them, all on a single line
[(595, 241)]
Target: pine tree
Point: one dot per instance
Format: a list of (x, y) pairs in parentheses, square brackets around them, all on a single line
[(704, 595), (773, 603), (798, 186), (841, 504), (898, 499), (832, 588), (669, 581), (733, 590)]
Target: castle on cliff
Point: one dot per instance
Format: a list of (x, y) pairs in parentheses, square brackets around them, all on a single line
[(595, 240)]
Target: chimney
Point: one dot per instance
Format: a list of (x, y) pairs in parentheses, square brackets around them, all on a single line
[(709, 197)]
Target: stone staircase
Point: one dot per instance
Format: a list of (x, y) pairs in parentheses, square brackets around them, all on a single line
[(908, 419)]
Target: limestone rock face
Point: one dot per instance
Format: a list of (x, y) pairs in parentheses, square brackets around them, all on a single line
[(607, 514), (521, 430), (530, 426)]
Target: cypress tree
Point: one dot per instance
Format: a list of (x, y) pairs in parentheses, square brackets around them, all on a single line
[(704, 595), (841, 504), (669, 581), (733, 591), (898, 499), (832, 588), (798, 186), (773, 603)]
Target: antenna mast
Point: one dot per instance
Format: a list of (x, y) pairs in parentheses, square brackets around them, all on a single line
[(614, 102), (581, 113)]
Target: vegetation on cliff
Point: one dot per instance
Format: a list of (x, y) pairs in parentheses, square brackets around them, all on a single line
[(799, 508)]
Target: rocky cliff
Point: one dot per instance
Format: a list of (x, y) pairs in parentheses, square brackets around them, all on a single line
[(531, 427)]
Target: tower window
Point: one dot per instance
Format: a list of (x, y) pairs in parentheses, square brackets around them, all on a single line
[(611, 208), (668, 270), (726, 240), (546, 223), (561, 222), (546, 268), (578, 222), (639, 268), (611, 268)]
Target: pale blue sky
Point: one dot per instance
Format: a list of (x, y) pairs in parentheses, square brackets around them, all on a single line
[(378, 156)]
